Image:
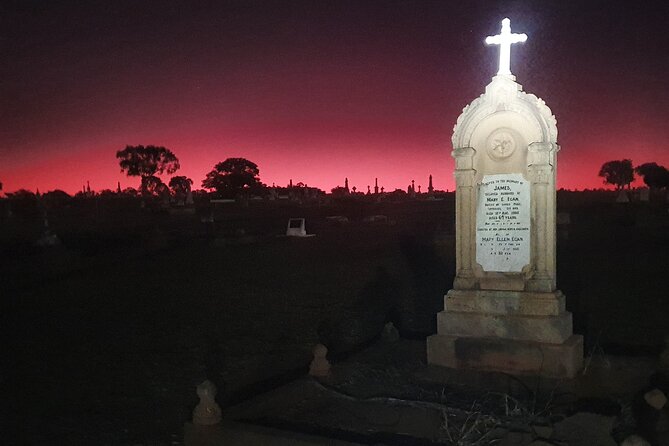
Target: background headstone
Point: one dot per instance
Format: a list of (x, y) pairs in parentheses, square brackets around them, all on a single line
[(296, 228)]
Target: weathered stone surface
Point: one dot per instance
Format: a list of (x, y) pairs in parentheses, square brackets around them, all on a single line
[(585, 429), (505, 302), (550, 329), (521, 357)]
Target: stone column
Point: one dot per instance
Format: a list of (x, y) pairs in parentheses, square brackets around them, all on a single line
[(464, 217), (542, 176)]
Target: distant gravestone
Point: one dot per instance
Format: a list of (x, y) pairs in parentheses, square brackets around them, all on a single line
[(339, 219), (47, 238), (296, 228), (376, 219), (563, 222), (622, 197), (504, 312), (644, 194)]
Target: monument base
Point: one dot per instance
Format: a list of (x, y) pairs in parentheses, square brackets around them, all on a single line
[(518, 332), (507, 355)]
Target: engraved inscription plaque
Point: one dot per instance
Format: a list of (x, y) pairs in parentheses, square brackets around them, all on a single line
[(503, 223)]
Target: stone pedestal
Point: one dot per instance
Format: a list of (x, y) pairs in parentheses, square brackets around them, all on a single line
[(510, 331)]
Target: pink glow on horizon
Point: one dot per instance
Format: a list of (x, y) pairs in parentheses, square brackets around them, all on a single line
[(315, 94), (319, 153), (324, 169)]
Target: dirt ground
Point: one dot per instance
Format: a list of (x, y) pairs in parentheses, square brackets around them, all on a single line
[(110, 332)]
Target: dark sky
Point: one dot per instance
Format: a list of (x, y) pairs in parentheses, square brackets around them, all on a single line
[(316, 91)]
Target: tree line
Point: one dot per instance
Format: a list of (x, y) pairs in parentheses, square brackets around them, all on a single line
[(233, 176), (620, 173), (228, 178)]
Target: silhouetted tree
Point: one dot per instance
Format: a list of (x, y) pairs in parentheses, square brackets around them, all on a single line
[(22, 194), (56, 198), (339, 191), (619, 173), (200, 194), (130, 192), (152, 185), (107, 194), (655, 177), (24, 203), (180, 185), (146, 162), (84, 195), (232, 176)]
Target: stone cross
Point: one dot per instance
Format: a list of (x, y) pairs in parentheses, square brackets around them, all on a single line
[(504, 39)]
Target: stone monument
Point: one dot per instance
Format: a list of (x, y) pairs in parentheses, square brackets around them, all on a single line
[(504, 312), (320, 366), (207, 412)]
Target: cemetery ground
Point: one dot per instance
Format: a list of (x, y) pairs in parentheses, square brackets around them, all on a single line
[(110, 332)]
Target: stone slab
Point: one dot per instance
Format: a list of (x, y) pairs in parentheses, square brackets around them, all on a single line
[(506, 355), (548, 329), (380, 390), (505, 302)]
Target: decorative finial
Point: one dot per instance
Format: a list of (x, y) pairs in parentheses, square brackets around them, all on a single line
[(207, 412), (320, 366)]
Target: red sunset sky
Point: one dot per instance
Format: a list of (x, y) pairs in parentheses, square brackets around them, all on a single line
[(316, 91)]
